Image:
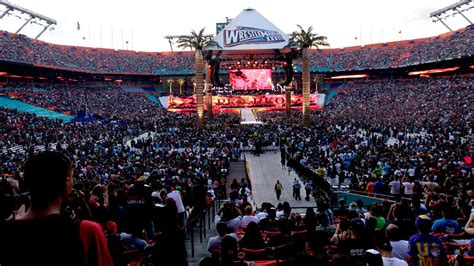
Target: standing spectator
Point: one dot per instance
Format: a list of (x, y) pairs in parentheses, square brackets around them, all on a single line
[(296, 189), (409, 184), (308, 187), (425, 249), (385, 249), (356, 245), (446, 225), (176, 196), (283, 158), (278, 188), (399, 246), (395, 186), (42, 233)]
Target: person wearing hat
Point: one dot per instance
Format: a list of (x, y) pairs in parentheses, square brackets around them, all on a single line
[(385, 249), (424, 248)]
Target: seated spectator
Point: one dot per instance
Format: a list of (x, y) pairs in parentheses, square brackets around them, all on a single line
[(252, 238), (248, 217), (230, 215), (215, 241)]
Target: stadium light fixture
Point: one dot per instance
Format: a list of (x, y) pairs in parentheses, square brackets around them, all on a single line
[(452, 10), (358, 76), (433, 71), (28, 15)]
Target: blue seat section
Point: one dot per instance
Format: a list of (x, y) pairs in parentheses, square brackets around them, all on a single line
[(152, 98), (24, 107), (133, 90), (329, 95)]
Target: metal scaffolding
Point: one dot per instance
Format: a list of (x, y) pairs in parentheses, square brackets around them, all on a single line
[(452, 10), (27, 15)]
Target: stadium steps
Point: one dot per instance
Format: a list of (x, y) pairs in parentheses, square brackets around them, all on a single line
[(330, 94), (38, 111), (200, 249), (237, 171)]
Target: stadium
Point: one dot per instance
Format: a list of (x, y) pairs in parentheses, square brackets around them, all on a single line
[(252, 144)]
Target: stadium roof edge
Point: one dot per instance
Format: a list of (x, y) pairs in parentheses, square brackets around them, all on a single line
[(443, 35)]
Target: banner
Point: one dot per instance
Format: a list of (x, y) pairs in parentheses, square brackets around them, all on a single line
[(241, 101), (251, 31)]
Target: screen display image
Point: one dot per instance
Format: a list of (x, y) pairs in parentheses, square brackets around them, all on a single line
[(251, 79)]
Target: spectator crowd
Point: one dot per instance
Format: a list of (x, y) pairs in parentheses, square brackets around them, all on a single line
[(406, 139), (19, 48)]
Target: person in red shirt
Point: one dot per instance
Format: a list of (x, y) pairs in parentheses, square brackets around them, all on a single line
[(370, 187), (42, 235)]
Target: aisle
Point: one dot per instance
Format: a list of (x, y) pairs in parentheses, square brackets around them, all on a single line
[(248, 117), (265, 170)]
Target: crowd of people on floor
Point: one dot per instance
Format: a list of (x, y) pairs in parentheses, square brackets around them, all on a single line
[(405, 138), (26, 50)]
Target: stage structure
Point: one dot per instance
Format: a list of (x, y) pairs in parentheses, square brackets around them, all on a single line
[(30, 17), (250, 47)]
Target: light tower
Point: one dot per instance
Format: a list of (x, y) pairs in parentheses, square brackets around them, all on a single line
[(452, 10), (27, 15)]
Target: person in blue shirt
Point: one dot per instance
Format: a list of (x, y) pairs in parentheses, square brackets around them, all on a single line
[(424, 248), (379, 187), (446, 225)]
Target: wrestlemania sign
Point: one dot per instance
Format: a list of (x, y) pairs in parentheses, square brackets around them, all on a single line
[(249, 35), (251, 31), (241, 101)]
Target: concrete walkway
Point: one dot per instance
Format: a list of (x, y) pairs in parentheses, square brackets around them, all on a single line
[(248, 117), (265, 170)]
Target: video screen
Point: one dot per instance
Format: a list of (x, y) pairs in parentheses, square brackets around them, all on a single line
[(251, 79)]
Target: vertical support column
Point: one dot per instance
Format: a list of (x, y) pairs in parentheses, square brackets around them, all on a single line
[(306, 88), (199, 90), (208, 91)]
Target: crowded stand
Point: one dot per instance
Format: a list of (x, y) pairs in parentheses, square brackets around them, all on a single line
[(398, 54), (380, 56), (101, 165), (405, 139)]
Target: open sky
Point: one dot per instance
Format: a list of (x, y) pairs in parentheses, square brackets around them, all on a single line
[(144, 23)]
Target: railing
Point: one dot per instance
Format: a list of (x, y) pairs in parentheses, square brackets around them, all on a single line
[(202, 221), (377, 195)]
